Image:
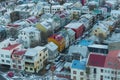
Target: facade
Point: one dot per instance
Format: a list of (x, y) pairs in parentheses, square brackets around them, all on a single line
[(100, 30), (6, 52), (78, 70), (52, 50), (46, 30), (35, 59), (52, 9), (29, 37), (17, 59), (71, 35), (77, 27), (104, 67), (58, 40), (97, 48)]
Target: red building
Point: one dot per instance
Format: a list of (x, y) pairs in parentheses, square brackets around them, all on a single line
[(77, 27)]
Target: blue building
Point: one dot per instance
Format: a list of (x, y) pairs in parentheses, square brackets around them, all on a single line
[(78, 69), (85, 42)]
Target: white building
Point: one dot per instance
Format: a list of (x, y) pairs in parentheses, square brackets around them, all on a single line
[(115, 13), (78, 70), (53, 8), (104, 67), (52, 50), (6, 52), (35, 59), (29, 37)]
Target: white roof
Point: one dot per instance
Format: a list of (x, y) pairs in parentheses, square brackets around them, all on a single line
[(98, 46), (70, 32), (30, 29), (34, 51), (52, 46), (46, 24), (115, 11), (78, 49), (74, 25)]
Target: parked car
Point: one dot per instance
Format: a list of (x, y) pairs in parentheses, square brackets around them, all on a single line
[(58, 58), (10, 74), (48, 67)]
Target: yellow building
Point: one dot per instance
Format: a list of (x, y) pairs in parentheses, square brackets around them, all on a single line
[(34, 59), (58, 40)]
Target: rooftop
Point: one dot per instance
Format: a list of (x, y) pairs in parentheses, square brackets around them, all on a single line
[(10, 47), (52, 46), (77, 64), (74, 25), (86, 42), (97, 60), (19, 52), (113, 59), (98, 46)]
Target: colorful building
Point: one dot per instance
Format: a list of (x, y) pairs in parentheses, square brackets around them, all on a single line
[(58, 40)]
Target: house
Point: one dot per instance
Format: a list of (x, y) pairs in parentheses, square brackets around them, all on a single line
[(58, 40), (17, 59), (100, 30), (64, 34), (115, 13), (96, 66), (53, 9), (35, 59), (46, 29), (63, 16), (98, 48), (104, 67), (71, 35), (6, 52), (77, 27), (84, 10), (78, 52), (52, 50), (78, 70), (29, 37)]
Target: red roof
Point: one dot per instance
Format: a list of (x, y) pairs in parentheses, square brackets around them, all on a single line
[(57, 37), (113, 59), (10, 47), (19, 52), (97, 60), (13, 25)]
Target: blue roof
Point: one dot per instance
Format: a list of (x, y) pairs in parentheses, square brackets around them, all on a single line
[(86, 42), (77, 64)]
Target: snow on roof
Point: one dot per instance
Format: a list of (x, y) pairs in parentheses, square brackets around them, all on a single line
[(98, 46), (74, 25), (52, 46), (77, 64), (115, 11), (87, 16), (34, 51)]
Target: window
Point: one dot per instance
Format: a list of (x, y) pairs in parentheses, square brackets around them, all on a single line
[(74, 72), (7, 61), (81, 73), (19, 62), (74, 77), (19, 67), (31, 69), (40, 54), (112, 72), (2, 60), (40, 60), (2, 55), (7, 56), (101, 70), (14, 66), (26, 68), (81, 78), (95, 71), (13, 61)]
